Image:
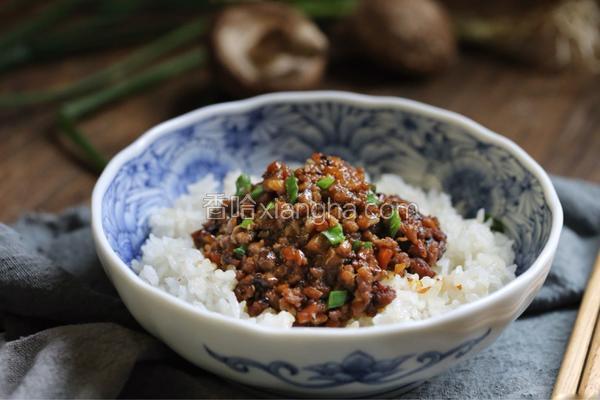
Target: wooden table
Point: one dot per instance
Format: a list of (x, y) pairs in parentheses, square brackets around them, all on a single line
[(554, 117)]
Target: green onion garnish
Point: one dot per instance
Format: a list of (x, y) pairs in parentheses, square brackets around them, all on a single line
[(239, 251), (395, 223), (270, 206), (335, 235), (357, 244), (246, 223), (497, 225), (337, 298), (291, 186), (325, 182), (257, 191), (242, 185), (372, 198)]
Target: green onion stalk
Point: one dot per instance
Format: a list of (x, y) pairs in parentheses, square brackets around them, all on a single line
[(329, 9), (148, 54), (109, 23), (46, 18), (114, 73), (24, 44), (77, 109), (120, 77), (13, 5), (94, 34)]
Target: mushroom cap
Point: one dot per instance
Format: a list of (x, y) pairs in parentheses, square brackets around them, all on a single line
[(414, 36), (267, 46)]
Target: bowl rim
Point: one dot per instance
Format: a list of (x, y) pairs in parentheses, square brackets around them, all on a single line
[(366, 101)]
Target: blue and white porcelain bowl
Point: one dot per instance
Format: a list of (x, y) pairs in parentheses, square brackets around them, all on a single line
[(428, 146)]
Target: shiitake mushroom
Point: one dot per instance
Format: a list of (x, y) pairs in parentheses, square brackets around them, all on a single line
[(409, 36), (550, 34), (266, 46)]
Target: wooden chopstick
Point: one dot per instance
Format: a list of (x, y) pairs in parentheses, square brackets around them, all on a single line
[(572, 373), (589, 387)]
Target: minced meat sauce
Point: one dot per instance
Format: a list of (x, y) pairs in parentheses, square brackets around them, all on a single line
[(317, 241)]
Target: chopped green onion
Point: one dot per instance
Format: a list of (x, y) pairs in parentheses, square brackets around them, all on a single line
[(337, 298), (291, 186), (270, 206), (372, 198), (335, 235), (246, 223), (357, 244), (497, 225), (395, 223), (242, 185), (326, 182), (239, 251), (257, 191)]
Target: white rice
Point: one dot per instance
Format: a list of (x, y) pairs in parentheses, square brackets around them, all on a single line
[(477, 261)]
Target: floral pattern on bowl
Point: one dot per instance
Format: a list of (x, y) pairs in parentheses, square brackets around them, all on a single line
[(356, 367), (425, 151)]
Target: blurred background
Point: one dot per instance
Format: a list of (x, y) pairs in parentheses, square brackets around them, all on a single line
[(81, 79)]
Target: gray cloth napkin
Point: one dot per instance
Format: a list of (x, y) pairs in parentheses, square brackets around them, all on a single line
[(65, 333)]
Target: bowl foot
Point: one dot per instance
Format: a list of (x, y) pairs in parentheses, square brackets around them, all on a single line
[(261, 392)]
